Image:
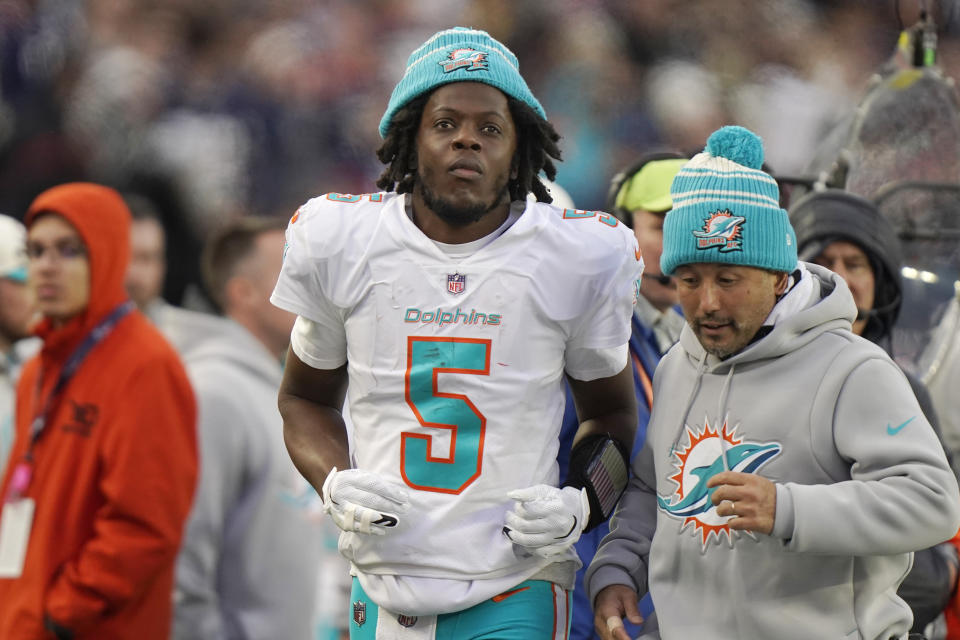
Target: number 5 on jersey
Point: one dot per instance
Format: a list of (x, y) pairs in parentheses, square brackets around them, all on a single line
[(427, 358)]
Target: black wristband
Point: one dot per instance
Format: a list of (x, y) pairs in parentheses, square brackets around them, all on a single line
[(600, 464)]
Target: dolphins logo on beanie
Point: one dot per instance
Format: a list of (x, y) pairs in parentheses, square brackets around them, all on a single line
[(459, 55), (727, 210)]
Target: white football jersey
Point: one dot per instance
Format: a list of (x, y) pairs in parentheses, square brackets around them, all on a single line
[(455, 370)]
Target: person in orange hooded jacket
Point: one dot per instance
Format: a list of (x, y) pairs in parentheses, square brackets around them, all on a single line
[(105, 453)]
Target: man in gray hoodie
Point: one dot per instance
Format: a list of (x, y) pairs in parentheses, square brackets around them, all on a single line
[(252, 547), (788, 472)]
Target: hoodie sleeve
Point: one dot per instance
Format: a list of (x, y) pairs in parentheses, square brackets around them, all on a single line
[(149, 460), (901, 495), (622, 556)]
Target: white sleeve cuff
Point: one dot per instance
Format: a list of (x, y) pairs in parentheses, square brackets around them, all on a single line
[(592, 364), (307, 342), (783, 520)]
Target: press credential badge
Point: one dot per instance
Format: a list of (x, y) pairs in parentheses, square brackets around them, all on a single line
[(15, 523)]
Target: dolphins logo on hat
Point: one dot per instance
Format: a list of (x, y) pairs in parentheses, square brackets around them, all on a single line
[(722, 229), (464, 58)]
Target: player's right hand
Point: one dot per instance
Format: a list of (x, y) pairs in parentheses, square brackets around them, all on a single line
[(614, 603), (363, 502)]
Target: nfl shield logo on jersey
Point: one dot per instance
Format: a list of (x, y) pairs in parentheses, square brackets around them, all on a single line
[(359, 612), (456, 283), (406, 621)]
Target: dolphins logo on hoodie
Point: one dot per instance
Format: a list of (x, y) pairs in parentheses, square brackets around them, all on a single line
[(700, 460)]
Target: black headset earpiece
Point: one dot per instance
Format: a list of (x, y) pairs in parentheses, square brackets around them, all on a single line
[(621, 177)]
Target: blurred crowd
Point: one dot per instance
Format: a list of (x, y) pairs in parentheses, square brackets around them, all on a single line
[(202, 114), (228, 107)]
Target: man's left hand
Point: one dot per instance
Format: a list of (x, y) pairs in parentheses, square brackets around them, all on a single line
[(752, 499), (547, 520)]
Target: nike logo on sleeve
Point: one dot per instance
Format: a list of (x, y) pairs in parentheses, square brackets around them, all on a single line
[(895, 430)]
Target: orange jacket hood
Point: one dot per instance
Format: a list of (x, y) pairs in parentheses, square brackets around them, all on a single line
[(102, 219)]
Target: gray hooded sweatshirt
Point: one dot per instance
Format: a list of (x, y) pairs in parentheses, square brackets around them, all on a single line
[(251, 551), (861, 483)]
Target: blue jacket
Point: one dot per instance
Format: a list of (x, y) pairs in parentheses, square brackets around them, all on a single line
[(645, 355)]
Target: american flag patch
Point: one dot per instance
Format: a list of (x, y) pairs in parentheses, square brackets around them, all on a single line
[(607, 474)]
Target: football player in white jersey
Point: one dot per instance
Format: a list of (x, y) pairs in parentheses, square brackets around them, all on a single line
[(450, 310)]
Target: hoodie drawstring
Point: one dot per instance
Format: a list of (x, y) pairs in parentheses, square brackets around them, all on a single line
[(722, 411), (701, 367), (721, 407)]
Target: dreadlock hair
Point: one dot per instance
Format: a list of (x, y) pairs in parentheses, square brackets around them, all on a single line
[(536, 150), (398, 150)]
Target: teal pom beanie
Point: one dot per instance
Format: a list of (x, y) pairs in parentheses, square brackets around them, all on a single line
[(727, 210), (459, 55)]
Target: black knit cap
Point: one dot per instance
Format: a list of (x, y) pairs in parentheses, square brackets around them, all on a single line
[(823, 217)]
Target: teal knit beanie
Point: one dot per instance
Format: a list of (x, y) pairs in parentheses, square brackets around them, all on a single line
[(459, 55), (727, 210)]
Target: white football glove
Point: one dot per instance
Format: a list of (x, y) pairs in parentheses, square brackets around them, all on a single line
[(547, 520), (363, 502)]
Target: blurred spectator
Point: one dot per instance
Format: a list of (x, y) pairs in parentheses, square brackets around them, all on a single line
[(16, 311), (148, 264), (249, 105), (591, 95), (104, 463), (640, 197), (185, 329), (846, 234), (248, 567), (686, 102), (150, 194)]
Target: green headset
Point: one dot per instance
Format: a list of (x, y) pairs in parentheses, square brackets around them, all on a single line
[(623, 177)]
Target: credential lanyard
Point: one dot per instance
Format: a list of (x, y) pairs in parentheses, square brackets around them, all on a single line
[(22, 473)]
